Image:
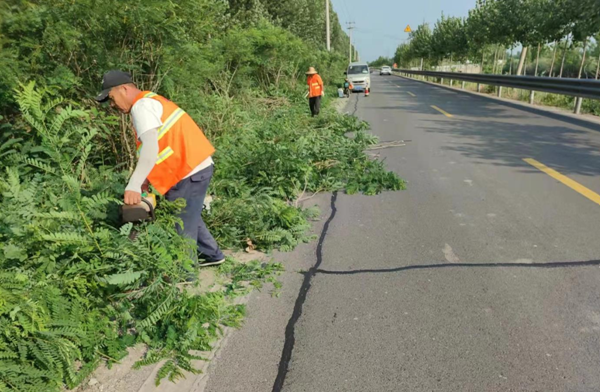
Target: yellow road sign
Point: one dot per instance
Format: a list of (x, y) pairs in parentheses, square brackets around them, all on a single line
[(407, 29)]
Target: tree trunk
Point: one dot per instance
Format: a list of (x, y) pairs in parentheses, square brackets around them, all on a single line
[(553, 58), (482, 59), (522, 60), (537, 60), (511, 61), (562, 64), (525, 64), (495, 61), (585, 43), (598, 68)]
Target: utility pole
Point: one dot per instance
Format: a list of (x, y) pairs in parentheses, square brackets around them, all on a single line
[(327, 25), (350, 28)]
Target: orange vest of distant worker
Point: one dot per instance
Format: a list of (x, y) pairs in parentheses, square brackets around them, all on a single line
[(315, 84), (181, 145)]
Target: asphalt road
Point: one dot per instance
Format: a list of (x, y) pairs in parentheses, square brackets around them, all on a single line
[(483, 276)]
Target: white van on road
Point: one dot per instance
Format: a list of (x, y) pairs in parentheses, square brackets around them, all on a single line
[(359, 76)]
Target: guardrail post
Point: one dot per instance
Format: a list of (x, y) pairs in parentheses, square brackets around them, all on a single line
[(451, 82), (463, 85), (500, 91), (531, 97), (442, 81), (478, 87), (578, 102)]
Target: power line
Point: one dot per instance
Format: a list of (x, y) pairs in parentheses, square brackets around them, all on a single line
[(351, 26), (342, 11), (380, 34), (348, 14)]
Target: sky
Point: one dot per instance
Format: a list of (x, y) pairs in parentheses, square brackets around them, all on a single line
[(380, 24)]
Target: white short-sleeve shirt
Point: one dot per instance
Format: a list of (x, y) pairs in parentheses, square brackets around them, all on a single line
[(146, 114)]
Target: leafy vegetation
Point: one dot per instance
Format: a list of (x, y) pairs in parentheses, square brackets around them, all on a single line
[(381, 61), (75, 291)]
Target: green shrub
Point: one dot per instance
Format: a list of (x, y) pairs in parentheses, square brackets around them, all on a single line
[(74, 289), (280, 156)]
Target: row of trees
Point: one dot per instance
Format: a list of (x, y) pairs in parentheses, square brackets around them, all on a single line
[(381, 61), (495, 28), (304, 18), (69, 44)]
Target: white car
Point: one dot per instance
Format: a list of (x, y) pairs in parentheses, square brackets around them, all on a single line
[(359, 76), (385, 70)]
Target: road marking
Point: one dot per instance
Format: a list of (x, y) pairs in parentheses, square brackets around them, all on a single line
[(593, 196), (413, 95), (449, 254), (445, 113)]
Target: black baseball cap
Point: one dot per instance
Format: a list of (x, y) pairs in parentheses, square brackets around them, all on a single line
[(112, 79)]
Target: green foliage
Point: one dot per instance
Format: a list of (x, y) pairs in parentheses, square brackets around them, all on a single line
[(381, 61), (284, 155), (251, 275), (420, 42), (74, 289), (449, 39)]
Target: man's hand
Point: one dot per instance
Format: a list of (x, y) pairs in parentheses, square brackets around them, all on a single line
[(132, 198)]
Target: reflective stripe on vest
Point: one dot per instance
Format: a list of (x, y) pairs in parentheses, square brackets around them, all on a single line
[(166, 127), (164, 154), (168, 124)]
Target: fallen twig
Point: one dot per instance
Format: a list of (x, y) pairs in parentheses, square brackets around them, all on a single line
[(395, 143)]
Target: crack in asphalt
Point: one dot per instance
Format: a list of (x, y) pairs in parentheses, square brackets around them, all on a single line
[(290, 338), (565, 264)]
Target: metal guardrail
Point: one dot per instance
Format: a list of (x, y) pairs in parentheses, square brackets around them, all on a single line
[(580, 88)]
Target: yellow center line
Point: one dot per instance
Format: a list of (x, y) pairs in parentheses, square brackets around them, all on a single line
[(411, 94), (593, 196), (445, 113)]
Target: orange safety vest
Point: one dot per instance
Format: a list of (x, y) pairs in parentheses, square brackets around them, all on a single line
[(315, 84), (181, 145)]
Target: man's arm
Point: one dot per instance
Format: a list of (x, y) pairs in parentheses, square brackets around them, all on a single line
[(146, 162)]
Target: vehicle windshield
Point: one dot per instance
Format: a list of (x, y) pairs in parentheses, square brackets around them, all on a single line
[(386, 67), (358, 69)]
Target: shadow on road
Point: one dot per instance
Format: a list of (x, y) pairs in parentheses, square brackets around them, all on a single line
[(568, 150), (493, 133)]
